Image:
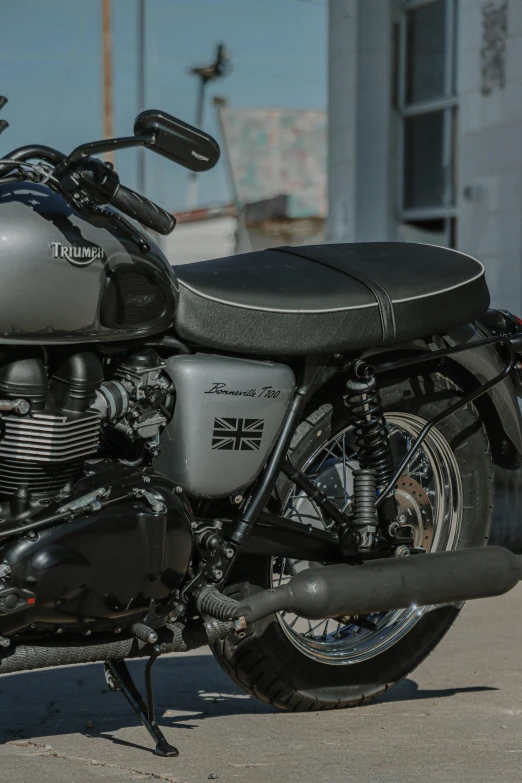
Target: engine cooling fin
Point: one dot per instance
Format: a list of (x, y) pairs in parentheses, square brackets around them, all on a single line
[(39, 478), (45, 451)]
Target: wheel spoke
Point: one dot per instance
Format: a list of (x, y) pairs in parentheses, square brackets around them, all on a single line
[(312, 630), (342, 640)]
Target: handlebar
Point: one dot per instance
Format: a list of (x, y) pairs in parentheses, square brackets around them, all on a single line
[(143, 210), (100, 185), (48, 154)]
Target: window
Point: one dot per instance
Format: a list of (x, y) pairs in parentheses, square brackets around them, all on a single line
[(423, 171), (428, 113), (425, 52)]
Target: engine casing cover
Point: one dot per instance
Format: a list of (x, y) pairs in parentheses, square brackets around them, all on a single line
[(107, 565)]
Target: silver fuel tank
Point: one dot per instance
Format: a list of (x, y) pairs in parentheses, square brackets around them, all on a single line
[(67, 276)]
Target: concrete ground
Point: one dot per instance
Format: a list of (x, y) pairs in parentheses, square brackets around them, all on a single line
[(457, 719)]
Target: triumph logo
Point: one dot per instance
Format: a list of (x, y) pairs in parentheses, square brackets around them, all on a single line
[(78, 256), (139, 300), (198, 156)]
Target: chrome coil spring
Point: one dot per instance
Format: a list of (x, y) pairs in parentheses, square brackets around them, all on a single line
[(363, 400)]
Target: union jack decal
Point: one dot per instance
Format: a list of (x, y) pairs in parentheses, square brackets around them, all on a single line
[(237, 434)]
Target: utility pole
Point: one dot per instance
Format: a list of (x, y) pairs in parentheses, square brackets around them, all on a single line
[(218, 68), (243, 242), (141, 89), (108, 124)]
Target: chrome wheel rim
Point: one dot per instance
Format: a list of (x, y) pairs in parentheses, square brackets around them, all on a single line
[(346, 641)]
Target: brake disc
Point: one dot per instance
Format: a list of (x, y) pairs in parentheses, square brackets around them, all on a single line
[(414, 511)]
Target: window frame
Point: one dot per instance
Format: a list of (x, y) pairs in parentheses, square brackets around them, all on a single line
[(448, 103)]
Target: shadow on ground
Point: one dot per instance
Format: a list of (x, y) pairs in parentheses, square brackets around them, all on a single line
[(408, 690), (188, 689)]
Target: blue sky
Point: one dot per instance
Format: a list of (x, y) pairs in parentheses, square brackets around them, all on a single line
[(51, 72)]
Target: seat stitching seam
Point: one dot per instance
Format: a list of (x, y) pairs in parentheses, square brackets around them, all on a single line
[(332, 310)]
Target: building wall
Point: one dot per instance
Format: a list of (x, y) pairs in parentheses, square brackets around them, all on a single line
[(217, 237), (364, 155), (277, 233), (489, 224), (200, 240)]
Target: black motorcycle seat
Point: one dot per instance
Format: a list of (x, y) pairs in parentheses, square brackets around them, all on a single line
[(327, 298)]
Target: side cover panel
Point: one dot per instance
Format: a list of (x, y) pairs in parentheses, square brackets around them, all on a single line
[(228, 414)]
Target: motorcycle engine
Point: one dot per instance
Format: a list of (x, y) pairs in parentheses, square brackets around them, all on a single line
[(136, 401), (77, 433), (52, 413)]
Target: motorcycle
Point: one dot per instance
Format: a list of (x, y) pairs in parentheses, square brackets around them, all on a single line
[(286, 454)]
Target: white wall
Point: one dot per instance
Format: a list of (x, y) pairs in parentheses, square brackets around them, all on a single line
[(200, 240), (490, 154), (304, 231)]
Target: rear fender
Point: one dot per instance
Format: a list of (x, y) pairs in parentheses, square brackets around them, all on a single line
[(498, 408)]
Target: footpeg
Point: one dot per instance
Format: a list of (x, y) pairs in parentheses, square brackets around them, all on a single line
[(144, 633), (119, 678)]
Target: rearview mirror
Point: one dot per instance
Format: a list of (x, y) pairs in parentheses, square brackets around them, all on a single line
[(177, 141)]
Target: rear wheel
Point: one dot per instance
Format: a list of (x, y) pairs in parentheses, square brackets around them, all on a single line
[(445, 497)]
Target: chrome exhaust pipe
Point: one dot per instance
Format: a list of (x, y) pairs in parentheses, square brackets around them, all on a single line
[(392, 583)]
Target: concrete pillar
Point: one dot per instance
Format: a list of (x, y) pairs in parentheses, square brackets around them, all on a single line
[(342, 102), (374, 189), (360, 168)]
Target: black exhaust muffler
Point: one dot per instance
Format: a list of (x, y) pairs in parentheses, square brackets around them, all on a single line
[(394, 583)]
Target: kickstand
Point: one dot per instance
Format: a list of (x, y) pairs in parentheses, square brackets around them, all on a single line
[(119, 678)]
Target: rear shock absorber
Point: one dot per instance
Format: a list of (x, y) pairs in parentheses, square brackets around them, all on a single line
[(373, 451), (365, 512), (370, 433)]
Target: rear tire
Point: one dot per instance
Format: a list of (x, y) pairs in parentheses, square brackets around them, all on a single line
[(266, 664)]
